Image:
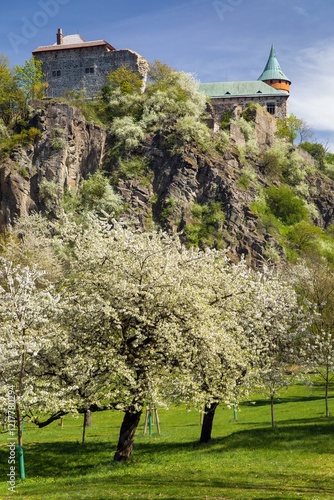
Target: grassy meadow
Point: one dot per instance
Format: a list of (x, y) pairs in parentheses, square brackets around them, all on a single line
[(245, 460)]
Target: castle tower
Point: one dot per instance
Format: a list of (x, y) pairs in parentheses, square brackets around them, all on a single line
[(273, 74)]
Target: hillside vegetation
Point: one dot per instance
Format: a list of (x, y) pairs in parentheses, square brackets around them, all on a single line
[(246, 187), (148, 258)]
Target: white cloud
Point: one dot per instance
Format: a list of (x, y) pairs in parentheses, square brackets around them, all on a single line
[(312, 91), (300, 11)]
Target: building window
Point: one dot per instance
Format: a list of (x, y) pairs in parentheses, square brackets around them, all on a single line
[(271, 108), (90, 71), (56, 72)]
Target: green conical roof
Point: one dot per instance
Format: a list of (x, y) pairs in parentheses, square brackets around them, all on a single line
[(273, 70)]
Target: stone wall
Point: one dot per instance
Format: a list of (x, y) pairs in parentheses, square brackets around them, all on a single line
[(85, 69), (221, 105)]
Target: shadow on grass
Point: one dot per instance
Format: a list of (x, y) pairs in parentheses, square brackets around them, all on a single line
[(296, 436), (280, 400), (68, 459)]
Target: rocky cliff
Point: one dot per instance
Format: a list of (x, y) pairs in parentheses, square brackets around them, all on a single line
[(69, 148)]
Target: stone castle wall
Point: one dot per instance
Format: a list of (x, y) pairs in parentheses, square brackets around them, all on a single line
[(221, 105), (85, 69)]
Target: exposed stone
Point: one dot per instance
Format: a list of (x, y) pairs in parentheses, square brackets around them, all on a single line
[(67, 150)]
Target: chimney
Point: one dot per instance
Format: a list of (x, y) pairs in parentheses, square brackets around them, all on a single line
[(60, 36)]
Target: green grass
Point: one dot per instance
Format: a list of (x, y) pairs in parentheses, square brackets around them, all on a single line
[(245, 460)]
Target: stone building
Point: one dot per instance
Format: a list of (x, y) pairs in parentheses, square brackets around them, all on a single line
[(73, 64), (271, 90)]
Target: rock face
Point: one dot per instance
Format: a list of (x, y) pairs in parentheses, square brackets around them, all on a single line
[(67, 150), (193, 178)]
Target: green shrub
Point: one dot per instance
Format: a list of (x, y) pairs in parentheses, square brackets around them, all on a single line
[(190, 131), (135, 167), (220, 141), (249, 113), (24, 138), (49, 194), (57, 139), (305, 237), (274, 159), (206, 228), (167, 210), (316, 150), (226, 119), (128, 133), (285, 205), (4, 133), (295, 169), (247, 128), (246, 178), (23, 172), (97, 194)]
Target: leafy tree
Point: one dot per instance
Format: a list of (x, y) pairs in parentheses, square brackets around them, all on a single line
[(11, 97), (26, 307), (161, 76), (289, 128), (261, 324), (29, 79), (279, 331), (171, 106), (136, 306), (124, 79), (315, 285)]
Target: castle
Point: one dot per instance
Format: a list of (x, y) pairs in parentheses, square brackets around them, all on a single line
[(73, 64), (271, 90)]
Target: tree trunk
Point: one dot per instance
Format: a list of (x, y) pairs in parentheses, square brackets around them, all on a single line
[(127, 434), (273, 424), (88, 418), (327, 391), (19, 426), (209, 413), (87, 422)]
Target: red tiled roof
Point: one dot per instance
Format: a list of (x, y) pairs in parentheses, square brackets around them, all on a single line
[(50, 48)]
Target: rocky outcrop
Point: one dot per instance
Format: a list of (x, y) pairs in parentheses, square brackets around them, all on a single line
[(67, 150), (322, 196)]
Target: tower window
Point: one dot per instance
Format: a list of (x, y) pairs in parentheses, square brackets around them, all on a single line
[(56, 72), (271, 108), (90, 71)]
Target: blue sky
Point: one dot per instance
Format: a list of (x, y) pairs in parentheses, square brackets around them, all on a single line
[(217, 40)]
